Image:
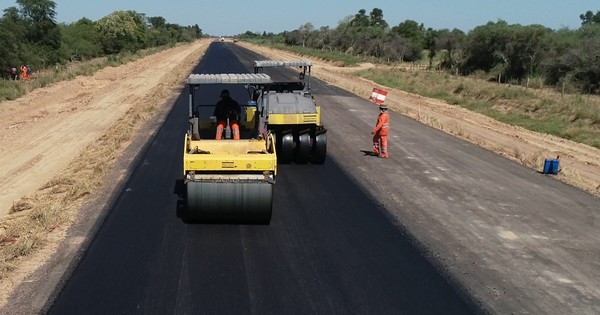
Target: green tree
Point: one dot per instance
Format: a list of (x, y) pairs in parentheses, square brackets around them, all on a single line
[(80, 39), (574, 58), (9, 44), (42, 34), (197, 31), (376, 19), (121, 30), (12, 30), (485, 47), (157, 21), (360, 19), (305, 31), (412, 31), (589, 18), (512, 51), (451, 46), (40, 17)]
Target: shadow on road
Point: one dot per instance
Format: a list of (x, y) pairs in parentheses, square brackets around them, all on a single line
[(368, 152)]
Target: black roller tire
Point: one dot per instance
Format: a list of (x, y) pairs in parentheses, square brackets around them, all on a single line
[(319, 150), (303, 149), (286, 149)]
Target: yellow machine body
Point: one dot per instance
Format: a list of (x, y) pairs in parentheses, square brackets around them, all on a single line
[(296, 119), (239, 156)]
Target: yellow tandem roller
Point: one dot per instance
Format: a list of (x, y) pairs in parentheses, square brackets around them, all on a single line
[(228, 181)]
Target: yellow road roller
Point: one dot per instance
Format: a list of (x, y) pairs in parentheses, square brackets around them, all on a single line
[(228, 181)]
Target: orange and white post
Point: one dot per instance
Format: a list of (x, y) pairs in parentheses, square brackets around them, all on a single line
[(378, 96)]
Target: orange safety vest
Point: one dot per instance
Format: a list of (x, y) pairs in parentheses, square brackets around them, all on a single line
[(383, 124)]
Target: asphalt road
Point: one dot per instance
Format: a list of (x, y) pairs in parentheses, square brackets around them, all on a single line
[(330, 248), (443, 226)]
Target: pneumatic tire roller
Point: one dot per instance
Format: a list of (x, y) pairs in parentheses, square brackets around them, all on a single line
[(293, 115)]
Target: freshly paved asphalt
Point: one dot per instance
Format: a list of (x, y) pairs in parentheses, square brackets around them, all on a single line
[(331, 248)]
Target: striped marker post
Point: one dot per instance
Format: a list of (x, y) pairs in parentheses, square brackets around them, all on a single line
[(378, 96)]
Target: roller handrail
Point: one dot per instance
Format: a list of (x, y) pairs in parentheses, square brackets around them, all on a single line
[(229, 78), (278, 63)]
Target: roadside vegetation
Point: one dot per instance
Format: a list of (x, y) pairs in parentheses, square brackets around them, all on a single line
[(30, 36), (11, 89), (34, 217), (530, 76), (571, 116)]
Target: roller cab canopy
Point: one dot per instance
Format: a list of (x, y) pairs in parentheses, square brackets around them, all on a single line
[(229, 78), (277, 63)]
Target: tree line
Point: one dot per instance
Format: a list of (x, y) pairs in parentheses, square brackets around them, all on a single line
[(501, 51), (30, 35)]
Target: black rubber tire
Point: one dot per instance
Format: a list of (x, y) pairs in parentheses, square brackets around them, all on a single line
[(286, 149), (319, 150), (229, 202), (303, 149)]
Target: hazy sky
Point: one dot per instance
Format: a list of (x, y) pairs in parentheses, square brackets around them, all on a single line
[(230, 17)]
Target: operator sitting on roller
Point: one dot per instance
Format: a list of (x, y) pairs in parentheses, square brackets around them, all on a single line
[(227, 108)]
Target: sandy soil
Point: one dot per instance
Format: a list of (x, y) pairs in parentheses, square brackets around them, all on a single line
[(43, 131)]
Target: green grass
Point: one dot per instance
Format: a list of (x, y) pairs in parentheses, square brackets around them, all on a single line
[(9, 90), (574, 117)]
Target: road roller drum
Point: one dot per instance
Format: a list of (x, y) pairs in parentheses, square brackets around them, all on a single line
[(229, 202)]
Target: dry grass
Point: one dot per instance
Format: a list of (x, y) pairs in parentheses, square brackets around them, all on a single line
[(10, 90), (570, 116), (33, 217)]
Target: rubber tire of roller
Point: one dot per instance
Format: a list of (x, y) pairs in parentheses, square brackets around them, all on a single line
[(303, 148), (229, 202), (286, 153), (319, 152)]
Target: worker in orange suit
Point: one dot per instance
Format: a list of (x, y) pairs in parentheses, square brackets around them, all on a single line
[(380, 132), (24, 75), (227, 108)]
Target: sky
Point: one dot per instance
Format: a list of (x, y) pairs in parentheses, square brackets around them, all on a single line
[(231, 17)]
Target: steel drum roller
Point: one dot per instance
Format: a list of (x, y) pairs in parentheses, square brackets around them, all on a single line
[(229, 202)]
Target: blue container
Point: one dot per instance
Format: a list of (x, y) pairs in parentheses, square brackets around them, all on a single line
[(551, 166)]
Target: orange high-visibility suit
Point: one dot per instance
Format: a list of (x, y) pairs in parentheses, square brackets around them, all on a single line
[(380, 133), (235, 129), (227, 108), (24, 75)]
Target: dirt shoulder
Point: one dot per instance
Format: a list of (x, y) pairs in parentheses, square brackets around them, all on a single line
[(580, 163), (70, 134)]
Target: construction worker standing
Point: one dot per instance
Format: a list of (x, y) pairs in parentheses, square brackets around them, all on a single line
[(380, 132), (24, 72), (13, 74), (227, 109)]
